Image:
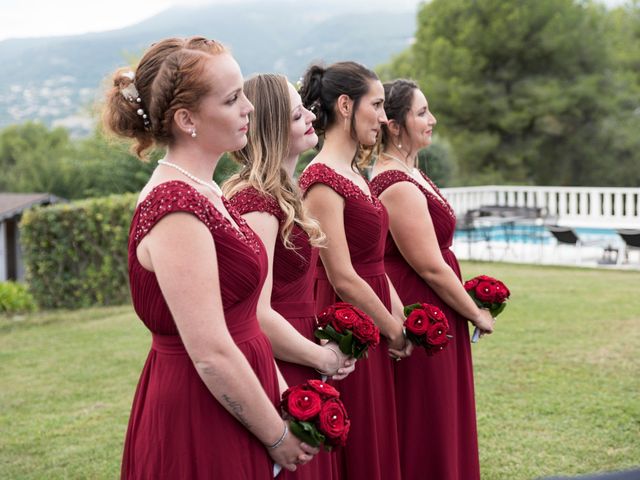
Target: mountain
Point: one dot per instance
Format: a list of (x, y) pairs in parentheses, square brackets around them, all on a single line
[(56, 80)]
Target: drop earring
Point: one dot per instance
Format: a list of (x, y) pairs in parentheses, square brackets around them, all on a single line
[(193, 133)]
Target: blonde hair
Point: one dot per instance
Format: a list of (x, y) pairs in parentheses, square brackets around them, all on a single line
[(267, 146), (169, 77)]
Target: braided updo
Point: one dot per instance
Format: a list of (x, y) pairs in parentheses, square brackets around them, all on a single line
[(141, 104)]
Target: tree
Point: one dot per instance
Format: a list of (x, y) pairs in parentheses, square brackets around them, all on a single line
[(522, 90), (438, 162), (622, 126), (35, 159)]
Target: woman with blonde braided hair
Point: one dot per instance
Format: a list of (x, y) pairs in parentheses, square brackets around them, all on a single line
[(205, 403)]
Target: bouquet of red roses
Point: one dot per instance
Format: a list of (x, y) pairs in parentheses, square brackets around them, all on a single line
[(488, 293), (427, 326), (348, 326), (317, 415)]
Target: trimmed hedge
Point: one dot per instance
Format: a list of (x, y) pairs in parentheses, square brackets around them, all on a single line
[(75, 254), (15, 298)]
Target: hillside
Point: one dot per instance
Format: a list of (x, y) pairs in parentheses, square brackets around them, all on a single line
[(55, 80)]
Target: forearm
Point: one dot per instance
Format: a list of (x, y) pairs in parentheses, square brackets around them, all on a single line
[(229, 377), (397, 307), (288, 344), (282, 383), (356, 291), (446, 284)]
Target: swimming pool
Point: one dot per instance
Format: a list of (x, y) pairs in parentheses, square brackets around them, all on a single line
[(533, 234)]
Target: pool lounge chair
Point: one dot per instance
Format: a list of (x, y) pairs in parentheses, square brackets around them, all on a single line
[(568, 236), (631, 238)]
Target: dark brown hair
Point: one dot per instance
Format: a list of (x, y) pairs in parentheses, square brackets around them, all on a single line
[(169, 77), (398, 96), (322, 86)]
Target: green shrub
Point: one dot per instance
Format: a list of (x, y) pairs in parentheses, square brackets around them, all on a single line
[(76, 253), (15, 298)]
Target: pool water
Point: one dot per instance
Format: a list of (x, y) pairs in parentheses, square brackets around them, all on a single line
[(538, 234)]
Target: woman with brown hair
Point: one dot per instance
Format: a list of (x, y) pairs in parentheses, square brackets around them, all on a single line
[(348, 99), (434, 394), (205, 403), (268, 199)]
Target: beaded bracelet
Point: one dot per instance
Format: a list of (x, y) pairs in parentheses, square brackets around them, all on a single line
[(280, 440)]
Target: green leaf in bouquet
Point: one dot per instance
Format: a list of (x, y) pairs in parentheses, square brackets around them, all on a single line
[(359, 350), (414, 338), (346, 343), (497, 308), (328, 333), (307, 432), (322, 335), (410, 308), (479, 303)]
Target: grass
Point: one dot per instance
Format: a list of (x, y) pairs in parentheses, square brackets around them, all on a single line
[(557, 384)]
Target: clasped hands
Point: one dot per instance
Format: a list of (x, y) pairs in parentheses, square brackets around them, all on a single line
[(399, 345), (340, 366)]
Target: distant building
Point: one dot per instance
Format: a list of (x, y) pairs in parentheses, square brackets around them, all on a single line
[(12, 205)]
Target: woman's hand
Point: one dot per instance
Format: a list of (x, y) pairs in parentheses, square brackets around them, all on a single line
[(338, 365), (484, 322), (399, 346), (292, 452)]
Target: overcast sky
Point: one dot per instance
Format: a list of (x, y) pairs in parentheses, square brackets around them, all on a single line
[(42, 18)]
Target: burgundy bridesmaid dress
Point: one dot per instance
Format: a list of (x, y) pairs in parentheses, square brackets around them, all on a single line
[(177, 428), (292, 297), (434, 394), (371, 452)]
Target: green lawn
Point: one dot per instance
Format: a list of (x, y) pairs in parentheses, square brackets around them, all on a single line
[(557, 384)]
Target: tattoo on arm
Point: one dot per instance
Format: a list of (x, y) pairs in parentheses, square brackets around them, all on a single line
[(237, 410)]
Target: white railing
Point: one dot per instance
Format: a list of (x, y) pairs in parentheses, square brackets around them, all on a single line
[(572, 206)]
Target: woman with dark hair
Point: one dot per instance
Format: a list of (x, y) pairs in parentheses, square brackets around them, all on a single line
[(434, 394), (205, 403), (268, 199), (347, 100)]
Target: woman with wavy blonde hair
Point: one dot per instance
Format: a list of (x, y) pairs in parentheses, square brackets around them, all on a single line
[(268, 199)]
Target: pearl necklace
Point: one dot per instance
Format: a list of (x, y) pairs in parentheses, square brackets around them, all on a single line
[(212, 185), (414, 172)]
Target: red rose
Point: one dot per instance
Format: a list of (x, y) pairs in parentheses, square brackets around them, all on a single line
[(359, 312), (333, 421), (367, 332), (485, 291), (324, 389), (471, 284), (417, 322), (502, 292), (434, 313), (437, 334), (302, 404), (326, 316), (345, 319)]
